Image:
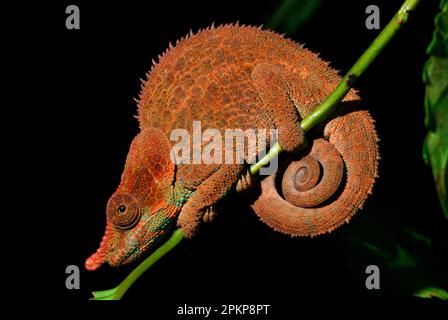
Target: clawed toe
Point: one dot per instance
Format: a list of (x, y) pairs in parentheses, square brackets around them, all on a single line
[(209, 215), (246, 182)]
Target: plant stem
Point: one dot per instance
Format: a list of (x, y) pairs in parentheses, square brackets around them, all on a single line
[(317, 116), (331, 102)]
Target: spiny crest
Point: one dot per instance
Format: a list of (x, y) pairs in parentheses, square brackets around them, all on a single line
[(171, 49), (212, 27)]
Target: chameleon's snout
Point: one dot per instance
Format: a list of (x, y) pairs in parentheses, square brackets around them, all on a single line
[(99, 257), (93, 263)]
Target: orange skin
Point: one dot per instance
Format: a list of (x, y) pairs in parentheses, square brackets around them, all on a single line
[(234, 77)]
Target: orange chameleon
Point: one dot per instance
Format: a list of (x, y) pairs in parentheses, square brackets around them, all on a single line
[(238, 77)]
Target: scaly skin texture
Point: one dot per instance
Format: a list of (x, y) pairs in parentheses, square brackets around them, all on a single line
[(237, 77)]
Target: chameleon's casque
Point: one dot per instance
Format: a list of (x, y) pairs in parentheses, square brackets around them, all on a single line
[(238, 77)]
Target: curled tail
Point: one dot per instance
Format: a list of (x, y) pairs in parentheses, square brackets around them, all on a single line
[(328, 186)]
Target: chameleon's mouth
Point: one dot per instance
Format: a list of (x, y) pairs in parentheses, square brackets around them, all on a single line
[(118, 248), (115, 254), (129, 250), (118, 252)]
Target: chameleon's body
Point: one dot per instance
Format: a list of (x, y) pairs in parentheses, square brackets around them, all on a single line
[(233, 77)]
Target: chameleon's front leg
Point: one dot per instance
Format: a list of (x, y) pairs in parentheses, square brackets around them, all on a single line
[(208, 193)]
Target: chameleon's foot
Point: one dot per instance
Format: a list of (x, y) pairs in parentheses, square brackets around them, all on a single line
[(209, 215), (246, 182), (213, 189), (190, 219)]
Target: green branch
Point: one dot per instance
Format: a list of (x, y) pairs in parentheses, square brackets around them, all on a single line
[(317, 116)]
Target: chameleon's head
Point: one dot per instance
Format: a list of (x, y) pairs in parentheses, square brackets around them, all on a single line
[(138, 213)]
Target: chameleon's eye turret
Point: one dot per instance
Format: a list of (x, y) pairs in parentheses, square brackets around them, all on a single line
[(123, 211)]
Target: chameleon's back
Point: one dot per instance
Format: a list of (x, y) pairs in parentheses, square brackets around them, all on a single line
[(207, 77)]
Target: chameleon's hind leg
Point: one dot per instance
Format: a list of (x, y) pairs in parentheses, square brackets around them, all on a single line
[(272, 85), (207, 194)]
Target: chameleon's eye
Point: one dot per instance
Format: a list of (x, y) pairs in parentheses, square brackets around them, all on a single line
[(123, 211), (122, 208)]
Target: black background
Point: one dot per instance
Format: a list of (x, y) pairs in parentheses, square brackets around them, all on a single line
[(90, 77)]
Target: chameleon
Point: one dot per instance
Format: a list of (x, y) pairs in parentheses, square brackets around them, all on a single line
[(237, 76)]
